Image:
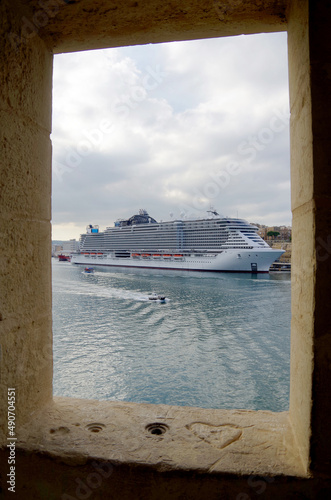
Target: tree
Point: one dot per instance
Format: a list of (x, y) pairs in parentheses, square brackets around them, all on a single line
[(273, 234)]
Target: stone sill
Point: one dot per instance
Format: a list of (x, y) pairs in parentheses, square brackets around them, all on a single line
[(242, 442)]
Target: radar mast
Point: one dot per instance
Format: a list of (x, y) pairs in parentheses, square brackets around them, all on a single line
[(212, 211)]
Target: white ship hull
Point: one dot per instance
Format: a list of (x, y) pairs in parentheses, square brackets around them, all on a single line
[(231, 260)]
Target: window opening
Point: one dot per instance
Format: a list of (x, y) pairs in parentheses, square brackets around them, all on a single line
[(174, 131)]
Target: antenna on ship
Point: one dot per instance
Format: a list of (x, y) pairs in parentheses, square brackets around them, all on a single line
[(212, 211)]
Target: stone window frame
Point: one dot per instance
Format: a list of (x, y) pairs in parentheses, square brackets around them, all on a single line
[(293, 443)]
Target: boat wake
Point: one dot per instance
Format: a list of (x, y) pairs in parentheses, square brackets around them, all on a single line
[(94, 290)]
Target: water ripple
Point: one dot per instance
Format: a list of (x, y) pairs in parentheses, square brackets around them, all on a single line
[(222, 341)]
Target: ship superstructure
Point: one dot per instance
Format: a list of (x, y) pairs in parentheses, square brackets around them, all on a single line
[(213, 243)]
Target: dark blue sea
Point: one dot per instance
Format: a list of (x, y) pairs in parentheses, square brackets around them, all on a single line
[(220, 341)]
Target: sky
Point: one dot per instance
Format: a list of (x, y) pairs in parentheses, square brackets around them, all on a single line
[(173, 128)]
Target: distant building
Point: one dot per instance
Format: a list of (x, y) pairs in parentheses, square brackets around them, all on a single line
[(56, 249), (285, 232), (66, 247), (262, 231), (70, 246)]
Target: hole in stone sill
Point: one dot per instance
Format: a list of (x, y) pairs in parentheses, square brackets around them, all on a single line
[(95, 427), (157, 428), (59, 430)]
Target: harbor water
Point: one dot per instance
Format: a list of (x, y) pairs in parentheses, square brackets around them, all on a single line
[(221, 340)]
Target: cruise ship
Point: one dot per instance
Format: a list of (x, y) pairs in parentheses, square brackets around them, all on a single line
[(213, 243)]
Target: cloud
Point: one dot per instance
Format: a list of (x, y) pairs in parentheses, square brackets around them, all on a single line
[(172, 127)]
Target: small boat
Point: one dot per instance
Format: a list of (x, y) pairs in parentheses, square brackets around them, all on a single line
[(64, 258), (155, 297), (88, 270)]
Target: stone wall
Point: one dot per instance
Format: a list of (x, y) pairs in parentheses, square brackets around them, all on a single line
[(25, 187)]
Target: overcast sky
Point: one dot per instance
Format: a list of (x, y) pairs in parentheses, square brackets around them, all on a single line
[(173, 128)]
